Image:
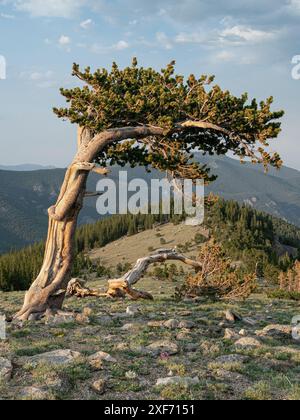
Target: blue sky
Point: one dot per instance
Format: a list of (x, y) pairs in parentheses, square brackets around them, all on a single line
[(248, 45)]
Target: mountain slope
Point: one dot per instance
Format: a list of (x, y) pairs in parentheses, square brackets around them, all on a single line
[(26, 196)]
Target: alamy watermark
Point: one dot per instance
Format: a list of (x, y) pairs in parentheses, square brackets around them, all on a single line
[(2, 67), (296, 328), (296, 68), (183, 197)]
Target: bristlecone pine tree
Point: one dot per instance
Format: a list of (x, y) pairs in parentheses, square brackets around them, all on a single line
[(217, 278), (140, 116), (290, 281)]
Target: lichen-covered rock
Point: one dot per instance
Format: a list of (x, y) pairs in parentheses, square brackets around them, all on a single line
[(56, 358), (163, 346), (248, 342)]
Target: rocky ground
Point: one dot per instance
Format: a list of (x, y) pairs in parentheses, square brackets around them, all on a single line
[(106, 349)]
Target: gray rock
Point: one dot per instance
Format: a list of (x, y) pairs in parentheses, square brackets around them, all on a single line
[(178, 380), (187, 325), (231, 358), (155, 324), (280, 332), (133, 310), (249, 321), (248, 342), (130, 327), (172, 324), (60, 318), (101, 356), (99, 386), (6, 369), (231, 316), (56, 358), (163, 346), (230, 334), (34, 393)]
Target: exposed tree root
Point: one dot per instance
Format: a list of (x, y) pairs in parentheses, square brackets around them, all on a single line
[(120, 288)]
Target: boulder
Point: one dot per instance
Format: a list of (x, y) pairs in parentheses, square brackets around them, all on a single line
[(248, 342), (56, 358), (280, 332), (163, 346)]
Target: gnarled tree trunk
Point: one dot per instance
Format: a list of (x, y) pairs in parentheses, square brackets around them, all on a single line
[(48, 290)]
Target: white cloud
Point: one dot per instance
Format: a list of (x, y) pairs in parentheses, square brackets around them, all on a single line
[(240, 34), (121, 45), (190, 38), (224, 56), (6, 16), (164, 40), (100, 49), (50, 8), (86, 24), (42, 79), (64, 40), (294, 6)]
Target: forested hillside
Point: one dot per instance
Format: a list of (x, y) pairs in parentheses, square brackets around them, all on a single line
[(246, 234), (26, 196)]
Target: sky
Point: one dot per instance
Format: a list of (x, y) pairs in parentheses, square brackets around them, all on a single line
[(248, 45)]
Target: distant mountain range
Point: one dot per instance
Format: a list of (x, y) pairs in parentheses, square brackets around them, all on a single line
[(25, 167), (26, 195)]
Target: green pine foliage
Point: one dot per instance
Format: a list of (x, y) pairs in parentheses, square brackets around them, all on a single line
[(136, 96)]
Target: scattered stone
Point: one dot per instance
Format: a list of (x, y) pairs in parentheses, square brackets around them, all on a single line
[(5, 369), (133, 310), (163, 346), (185, 313), (34, 393), (99, 386), (97, 359), (56, 358), (231, 358), (104, 320), (232, 317), (231, 376), (249, 321), (156, 324), (121, 346), (172, 324), (183, 335), (248, 342), (243, 333), (130, 327), (178, 380), (87, 312), (82, 319), (60, 318), (230, 334), (280, 332), (187, 325)]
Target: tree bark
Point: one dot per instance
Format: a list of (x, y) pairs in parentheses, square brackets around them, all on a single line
[(124, 286), (48, 290)]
